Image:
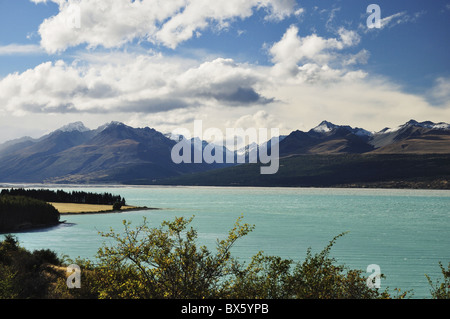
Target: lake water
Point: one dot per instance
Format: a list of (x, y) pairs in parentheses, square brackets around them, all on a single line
[(405, 232)]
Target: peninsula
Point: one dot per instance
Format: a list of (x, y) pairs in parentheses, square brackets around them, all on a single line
[(25, 209), (75, 208)]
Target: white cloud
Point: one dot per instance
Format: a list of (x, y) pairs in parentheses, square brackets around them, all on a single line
[(395, 20), (361, 57), (112, 24), (316, 78), (281, 9), (308, 57), (12, 49), (371, 103), (440, 92), (312, 78), (133, 83), (259, 119)]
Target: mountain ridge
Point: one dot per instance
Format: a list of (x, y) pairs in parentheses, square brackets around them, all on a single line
[(118, 153), (327, 138)]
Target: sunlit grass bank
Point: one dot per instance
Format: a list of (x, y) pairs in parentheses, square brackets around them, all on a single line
[(72, 208)]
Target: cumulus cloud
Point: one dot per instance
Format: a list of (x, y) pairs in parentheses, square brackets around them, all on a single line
[(310, 73), (139, 83), (112, 24), (317, 76), (224, 81), (309, 76), (308, 58), (371, 102), (260, 119)]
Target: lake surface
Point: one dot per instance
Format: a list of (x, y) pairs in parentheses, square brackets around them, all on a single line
[(405, 232)]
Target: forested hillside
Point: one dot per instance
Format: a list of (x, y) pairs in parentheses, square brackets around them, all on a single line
[(19, 213), (60, 196)]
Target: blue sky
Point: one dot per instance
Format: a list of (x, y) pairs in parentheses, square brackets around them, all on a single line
[(269, 63)]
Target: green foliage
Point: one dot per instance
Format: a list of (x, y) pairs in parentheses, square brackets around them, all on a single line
[(317, 277), (265, 277), (24, 274), (164, 262), (441, 290)]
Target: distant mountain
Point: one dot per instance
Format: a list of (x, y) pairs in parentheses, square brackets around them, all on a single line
[(412, 155), (11, 146), (76, 126), (112, 153), (117, 153), (329, 138), (413, 137)]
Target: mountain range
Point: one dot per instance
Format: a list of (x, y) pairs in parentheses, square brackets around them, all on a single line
[(118, 153), (328, 138)]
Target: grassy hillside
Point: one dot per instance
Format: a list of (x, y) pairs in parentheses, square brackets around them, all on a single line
[(361, 170)]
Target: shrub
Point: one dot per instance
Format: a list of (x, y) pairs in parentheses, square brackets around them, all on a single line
[(317, 277), (23, 274), (165, 262), (441, 290), (117, 206)]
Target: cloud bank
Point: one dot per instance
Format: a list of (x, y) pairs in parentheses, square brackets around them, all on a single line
[(309, 78), (112, 24)]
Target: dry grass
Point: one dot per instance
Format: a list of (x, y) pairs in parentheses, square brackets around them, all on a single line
[(71, 208)]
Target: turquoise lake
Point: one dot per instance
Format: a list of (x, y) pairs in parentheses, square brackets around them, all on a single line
[(405, 232)]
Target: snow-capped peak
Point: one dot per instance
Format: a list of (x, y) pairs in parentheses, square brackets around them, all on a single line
[(430, 125), (112, 123), (76, 126), (441, 126), (324, 127), (426, 124)]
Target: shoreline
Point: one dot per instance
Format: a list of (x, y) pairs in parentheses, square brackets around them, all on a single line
[(400, 185), (83, 209), (110, 211), (28, 227)]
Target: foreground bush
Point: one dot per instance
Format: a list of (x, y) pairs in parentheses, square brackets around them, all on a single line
[(25, 274), (165, 262), (317, 277), (441, 290)]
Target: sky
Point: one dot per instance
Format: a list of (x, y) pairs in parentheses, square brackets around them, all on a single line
[(281, 64)]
